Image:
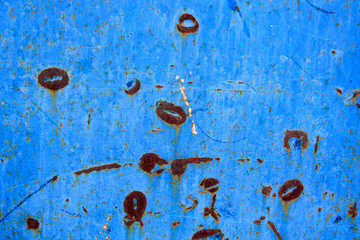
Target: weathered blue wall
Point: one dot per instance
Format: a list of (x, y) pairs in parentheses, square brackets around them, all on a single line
[(252, 71)]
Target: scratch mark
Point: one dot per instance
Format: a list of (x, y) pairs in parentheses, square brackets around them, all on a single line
[(72, 214), (272, 225), (27, 198), (317, 8), (182, 89), (233, 5)]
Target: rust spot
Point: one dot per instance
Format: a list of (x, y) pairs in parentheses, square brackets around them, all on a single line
[(266, 190), (99, 168), (316, 167), (260, 160), (174, 224), (319, 210), (67, 200), (182, 29), (273, 228), (134, 210), (333, 52), (356, 95), (54, 179), (163, 106), (32, 223), (206, 233), (159, 86), (262, 218), (338, 90), (148, 161), (257, 222), (211, 211), (134, 89), (353, 211), (45, 79), (295, 193), (209, 183), (298, 135), (178, 166), (85, 210), (317, 144)]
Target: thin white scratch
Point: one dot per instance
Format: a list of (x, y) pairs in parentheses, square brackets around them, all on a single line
[(182, 89)]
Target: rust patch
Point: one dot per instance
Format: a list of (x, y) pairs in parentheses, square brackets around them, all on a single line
[(174, 224), (262, 218), (99, 168), (257, 222), (260, 160), (178, 166), (134, 89), (273, 228), (355, 95), (45, 79), (266, 190), (182, 29), (84, 209), (358, 105), (32, 223), (211, 211), (159, 86), (338, 90), (148, 161), (54, 179), (206, 233), (295, 193), (209, 185), (134, 211), (353, 211), (316, 147), (163, 106), (298, 135)]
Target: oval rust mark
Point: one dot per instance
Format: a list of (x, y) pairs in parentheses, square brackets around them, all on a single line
[(163, 106), (209, 185), (207, 233), (134, 89), (46, 76), (183, 29), (295, 193), (297, 134), (32, 223), (316, 147), (134, 210), (178, 166), (148, 161)]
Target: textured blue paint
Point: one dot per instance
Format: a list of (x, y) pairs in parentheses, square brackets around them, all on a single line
[(252, 71)]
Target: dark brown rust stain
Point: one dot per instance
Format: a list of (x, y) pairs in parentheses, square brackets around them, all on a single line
[(182, 29), (32, 223), (358, 105), (67, 200), (84, 209), (134, 211), (209, 183), (273, 228), (178, 166), (204, 233), (159, 86), (262, 218), (148, 161), (316, 147), (266, 190), (257, 222), (355, 95), (99, 168), (297, 134), (174, 224), (338, 90), (44, 79), (260, 160), (134, 89), (54, 179), (353, 211), (163, 106), (295, 193), (211, 211)]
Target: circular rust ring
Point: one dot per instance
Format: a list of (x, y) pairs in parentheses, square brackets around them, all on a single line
[(162, 106), (294, 193), (134, 89), (53, 85), (183, 29)]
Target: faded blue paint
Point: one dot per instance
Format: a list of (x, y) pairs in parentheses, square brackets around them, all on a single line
[(252, 71)]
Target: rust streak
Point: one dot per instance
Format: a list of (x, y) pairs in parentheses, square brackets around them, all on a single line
[(99, 168), (316, 147), (338, 90), (178, 166), (272, 226)]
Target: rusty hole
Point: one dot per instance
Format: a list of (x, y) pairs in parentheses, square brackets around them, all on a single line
[(134, 207), (53, 79), (166, 111), (184, 21), (135, 87), (296, 188)]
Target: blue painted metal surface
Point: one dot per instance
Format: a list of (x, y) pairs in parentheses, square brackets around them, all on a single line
[(250, 73)]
